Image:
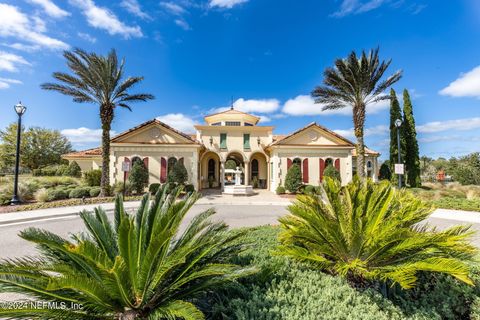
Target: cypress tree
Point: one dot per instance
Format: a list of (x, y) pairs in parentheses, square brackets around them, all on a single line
[(412, 159), (395, 113)]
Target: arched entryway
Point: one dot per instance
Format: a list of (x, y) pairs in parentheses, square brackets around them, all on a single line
[(210, 171), (258, 171), (233, 161)]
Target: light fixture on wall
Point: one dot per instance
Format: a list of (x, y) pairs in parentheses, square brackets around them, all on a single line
[(258, 140), (211, 141)]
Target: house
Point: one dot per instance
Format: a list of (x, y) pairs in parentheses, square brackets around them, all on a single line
[(234, 138)]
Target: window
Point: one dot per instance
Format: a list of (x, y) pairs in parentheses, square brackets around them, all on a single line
[(246, 124), (211, 169), (328, 162), (171, 163), (298, 162), (217, 124), (246, 141), (233, 123), (254, 168), (223, 141)]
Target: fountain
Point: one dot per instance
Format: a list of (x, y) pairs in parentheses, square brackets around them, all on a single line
[(238, 189)]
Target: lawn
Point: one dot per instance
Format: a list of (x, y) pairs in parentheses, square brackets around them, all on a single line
[(450, 196), (286, 290)]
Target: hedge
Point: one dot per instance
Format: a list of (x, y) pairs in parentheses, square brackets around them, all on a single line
[(79, 193)]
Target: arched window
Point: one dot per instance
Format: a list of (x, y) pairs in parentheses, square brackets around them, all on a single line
[(298, 162), (254, 168), (328, 162), (369, 168), (211, 169), (171, 163)]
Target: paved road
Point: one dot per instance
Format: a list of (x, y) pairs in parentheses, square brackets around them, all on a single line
[(234, 215)]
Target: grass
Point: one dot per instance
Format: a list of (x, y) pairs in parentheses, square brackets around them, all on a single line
[(450, 196)]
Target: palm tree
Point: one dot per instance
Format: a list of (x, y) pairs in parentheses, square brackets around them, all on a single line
[(143, 266), (366, 231), (356, 82), (100, 80)]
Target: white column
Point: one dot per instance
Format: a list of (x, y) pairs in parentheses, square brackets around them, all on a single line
[(246, 173), (194, 167), (222, 175)]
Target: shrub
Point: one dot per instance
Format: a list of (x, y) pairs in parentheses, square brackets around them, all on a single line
[(280, 190), (189, 188), (293, 180), (51, 182), (41, 195), (118, 188), (73, 170), (309, 189), (80, 192), (331, 172), (385, 173), (61, 170), (57, 194), (95, 192), (153, 188), (92, 178), (178, 174), (138, 177), (320, 231), (164, 259)]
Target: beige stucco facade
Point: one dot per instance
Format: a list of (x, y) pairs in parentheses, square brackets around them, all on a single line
[(228, 140)]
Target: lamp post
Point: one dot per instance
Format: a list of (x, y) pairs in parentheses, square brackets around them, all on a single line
[(398, 124), (20, 110)]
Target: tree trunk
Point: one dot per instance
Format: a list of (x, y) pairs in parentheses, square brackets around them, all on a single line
[(359, 123), (106, 115), (127, 315)]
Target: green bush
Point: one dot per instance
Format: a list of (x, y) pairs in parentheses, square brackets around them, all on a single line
[(79, 193), (385, 173), (138, 177), (153, 188), (178, 174), (331, 172), (293, 180), (95, 192), (118, 188), (57, 194), (92, 178), (41, 195), (189, 188), (309, 189), (280, 190), (61, 170), (73, 170)]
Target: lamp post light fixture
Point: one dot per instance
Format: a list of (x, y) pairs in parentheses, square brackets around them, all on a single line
[(258, 140), (398, 124), (20, 110)]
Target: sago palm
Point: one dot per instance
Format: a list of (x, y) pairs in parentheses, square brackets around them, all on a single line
[(99, 80), (356, 82), (142, 266), (365, 231)]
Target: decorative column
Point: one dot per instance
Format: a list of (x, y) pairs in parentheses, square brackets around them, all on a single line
[(222, 175), (247, 173)]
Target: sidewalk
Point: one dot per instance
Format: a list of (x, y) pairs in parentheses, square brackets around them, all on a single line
[(457, 215)]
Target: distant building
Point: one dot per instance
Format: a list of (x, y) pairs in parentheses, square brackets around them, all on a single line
[(230, 135)]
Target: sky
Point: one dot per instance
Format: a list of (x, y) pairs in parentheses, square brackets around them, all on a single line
[(264, 55)]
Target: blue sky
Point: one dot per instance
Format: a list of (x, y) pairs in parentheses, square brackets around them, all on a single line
[(267, 54)]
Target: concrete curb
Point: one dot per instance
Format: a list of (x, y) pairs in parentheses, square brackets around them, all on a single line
[(61, 212), (457, 215)]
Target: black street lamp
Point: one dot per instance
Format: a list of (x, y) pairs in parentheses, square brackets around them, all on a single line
[(20, 110), (398, 124)]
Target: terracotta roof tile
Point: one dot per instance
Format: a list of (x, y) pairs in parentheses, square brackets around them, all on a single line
[(85, 153)]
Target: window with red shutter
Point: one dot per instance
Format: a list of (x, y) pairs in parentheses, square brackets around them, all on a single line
[(163, 170), (322, 168)]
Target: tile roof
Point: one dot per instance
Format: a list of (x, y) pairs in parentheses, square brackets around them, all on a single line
[(89, 153), (313, 124)]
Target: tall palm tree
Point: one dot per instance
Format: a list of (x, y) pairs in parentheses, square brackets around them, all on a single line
[(356, 82), (148, 265), (100, 80)]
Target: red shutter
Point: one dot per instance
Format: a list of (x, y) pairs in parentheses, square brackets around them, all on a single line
[(145, 162), (337, 164), (289, 163), (125, 173), (322, 168), (163, 170), (305, 170)]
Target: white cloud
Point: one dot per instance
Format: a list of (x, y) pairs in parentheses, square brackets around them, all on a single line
[(102, 18), (448, 125), (182, 24), (9, 61), (22, 46), (134, 8), (263, 118), (87, 37), (467, 85), (376, 131), (252, 105), (356, 7), (226, 3), (83, 136), (178, 121), (173, 8), (6, 82), (51, 8), (16, 24), (304, 105)]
